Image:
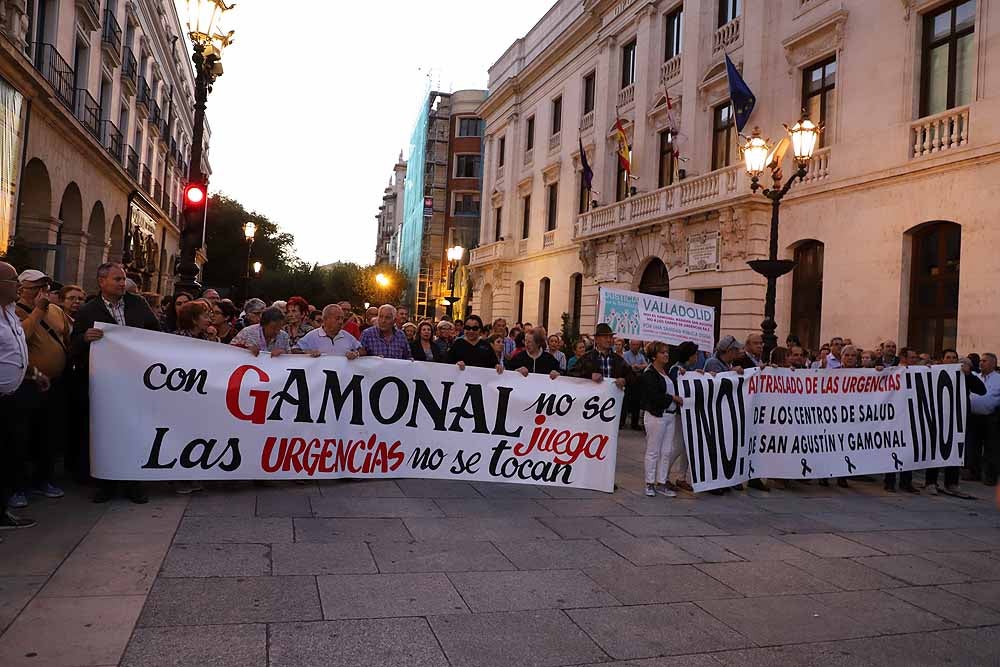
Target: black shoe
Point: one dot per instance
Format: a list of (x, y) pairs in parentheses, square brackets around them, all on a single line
[(909, 488), (824, 482), (842, 483), (889, 486), (137, 495), (103, 495), (718, 492), (759, 485), (10, 521)]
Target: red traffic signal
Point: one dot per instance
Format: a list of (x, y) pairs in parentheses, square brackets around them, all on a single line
[(194, 194)]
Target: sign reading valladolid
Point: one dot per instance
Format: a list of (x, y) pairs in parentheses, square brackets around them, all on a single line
[(654, 318), (807, 424), (166, 407)]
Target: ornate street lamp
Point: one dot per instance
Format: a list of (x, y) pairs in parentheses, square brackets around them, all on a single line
[(249, 229), (758, 155), (455, 255), (208, 40), (257, 266)]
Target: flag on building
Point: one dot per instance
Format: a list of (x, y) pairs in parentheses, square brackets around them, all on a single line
[(624, 157), (740, 95), (588, 173)]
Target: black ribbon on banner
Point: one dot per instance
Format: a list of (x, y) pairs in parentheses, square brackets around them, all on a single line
[(751, 468), (896, 462), (805, 467), (850, 466)]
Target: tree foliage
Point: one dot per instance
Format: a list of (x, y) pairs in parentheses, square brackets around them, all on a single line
[(283, 274)]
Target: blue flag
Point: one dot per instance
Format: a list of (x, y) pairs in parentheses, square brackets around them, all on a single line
[(588, 173), (740, 95)]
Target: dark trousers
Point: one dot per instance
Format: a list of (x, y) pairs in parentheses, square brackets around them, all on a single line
[(905, 479), (630, 407), (951, 474), (30, 431), (982, 449), (78, 435)]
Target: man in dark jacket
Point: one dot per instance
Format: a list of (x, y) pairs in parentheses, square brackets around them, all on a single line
[(534, 359), (472, 350), (112, 306), (602, 362)]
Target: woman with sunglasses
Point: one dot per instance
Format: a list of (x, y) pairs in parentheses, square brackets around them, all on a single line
[(472, 349)]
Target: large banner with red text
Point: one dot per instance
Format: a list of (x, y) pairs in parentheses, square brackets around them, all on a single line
[(172, 408), (809, 424)]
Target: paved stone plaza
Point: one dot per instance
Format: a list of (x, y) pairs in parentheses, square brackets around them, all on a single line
[(415, 572)]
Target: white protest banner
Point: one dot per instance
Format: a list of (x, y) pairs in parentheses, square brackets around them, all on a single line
[(655, 318), (808, 424), (172, 408)]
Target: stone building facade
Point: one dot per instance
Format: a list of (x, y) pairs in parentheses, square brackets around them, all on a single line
[(390, 214), (893, 227), (104, 91)]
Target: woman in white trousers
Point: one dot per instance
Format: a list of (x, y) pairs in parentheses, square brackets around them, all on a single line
[(659, 400)]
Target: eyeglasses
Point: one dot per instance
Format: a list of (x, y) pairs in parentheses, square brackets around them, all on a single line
[(472, 327)]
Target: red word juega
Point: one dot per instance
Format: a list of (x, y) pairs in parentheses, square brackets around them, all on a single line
[(567, 445)]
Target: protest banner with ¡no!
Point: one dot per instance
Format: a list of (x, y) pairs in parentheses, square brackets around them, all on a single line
[(172, 408)]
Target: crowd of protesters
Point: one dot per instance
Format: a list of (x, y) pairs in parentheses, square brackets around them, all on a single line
[(47, 331)]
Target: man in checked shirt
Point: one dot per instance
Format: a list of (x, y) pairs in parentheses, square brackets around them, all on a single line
[(602, 362)]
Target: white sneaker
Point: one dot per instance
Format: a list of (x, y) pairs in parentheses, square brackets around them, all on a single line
[(666, 491), (650, 490)]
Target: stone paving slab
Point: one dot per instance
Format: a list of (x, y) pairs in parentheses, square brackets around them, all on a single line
[(220, 504), (315, 558), (433, 557), (217, 560), (70, 631), (584, 528), (947, 605), (231, 600), (110, 564), (845, 573), (739, 524), (704, 549), (348, 488), (977, 565), (351, 530), (218, 646), (524, 590), (558, 554), (436, 488), (503, 490), (639, 632), (980, 645), (489, 528), (586, 507), (658, 583), (502, 506), (211, 530), (522, 638), (758, 547), (649, 550), (880, 613), (355, 643), (375, 508), (764, 578), (15, 593), (388, 595), (829, 545), (984, 593), (665, 526), (271, 505), (913, 570)]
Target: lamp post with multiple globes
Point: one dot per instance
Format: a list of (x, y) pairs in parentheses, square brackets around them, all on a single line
[(455, 254), (249, 229), (759, 155)]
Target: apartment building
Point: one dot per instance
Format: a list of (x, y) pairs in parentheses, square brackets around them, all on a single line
[(390, 213), (892, 228), (97, 100)]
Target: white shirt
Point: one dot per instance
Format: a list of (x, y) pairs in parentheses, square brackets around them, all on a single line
[(833, 362), (318, 341), (13, 351)]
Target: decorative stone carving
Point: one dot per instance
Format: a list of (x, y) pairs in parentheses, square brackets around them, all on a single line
[(819, 39), (625, 247), (734, 233), (498, 276), (674, 243), (478, 280), (588, 257), (14, 21), (607, 267)]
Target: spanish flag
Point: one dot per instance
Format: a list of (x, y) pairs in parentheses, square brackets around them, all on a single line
[(623, 149)]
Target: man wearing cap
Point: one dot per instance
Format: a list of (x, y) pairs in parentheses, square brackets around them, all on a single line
[(602, 362), (728, 350), (46, 330)]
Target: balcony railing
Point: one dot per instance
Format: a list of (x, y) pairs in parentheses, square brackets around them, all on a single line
[(111, 139), (587, 121), (529, 156), (132, 166), (130, 70), (157, 192), (87, 110), (549, 239), (490, 252), (671, 69), (56, 71), (147, 179), (522, 247), (626, 95), (555, 141), (819, 166), (111, 37), (940, 132), (681, 198), (143, 96), (500, 173), (154, 117), (726, 35)]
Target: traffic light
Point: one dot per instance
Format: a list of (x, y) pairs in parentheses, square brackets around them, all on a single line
[(195, 202)]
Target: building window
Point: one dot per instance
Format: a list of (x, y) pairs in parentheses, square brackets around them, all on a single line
[(589, 92), (497, 222), (470, 127), (466, 203), (526, 218), (807, 294), (934, 269), (948, 58), (552, 195), (544, 285), (666, 174), (819, 97), (628, 64), (530, 140), (576, 301), (468, 166), (501, 150), (557, 115), (584, 195), (673, 35), (519, 300), (621, 180), (724, 150), (729, 10)]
